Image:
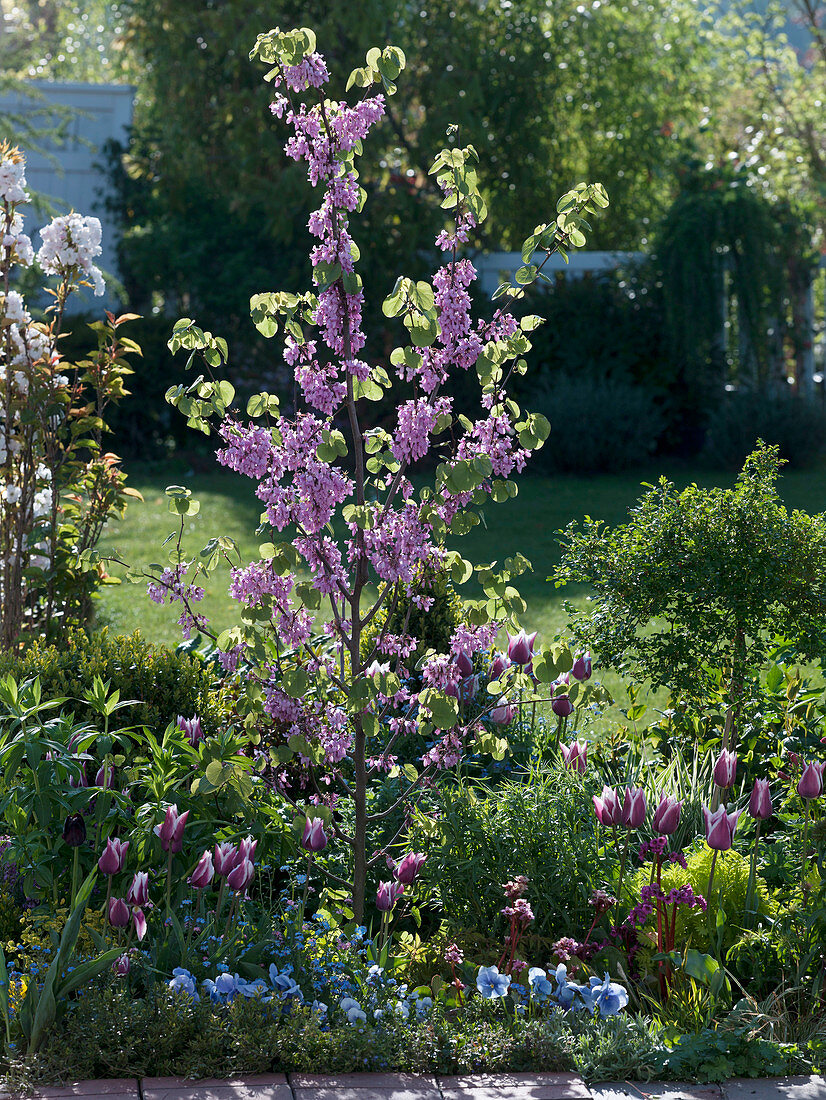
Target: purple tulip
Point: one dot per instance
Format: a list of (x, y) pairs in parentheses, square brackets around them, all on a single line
[(226, 856), (464, 664), (720, 827), (105, 776), (760, 800), (241, 875), (499, 665), (139, 921), (520, 647), (633, 807), (113, 856), (725, 769), (118, 913), (409, 867), (581, 669), (204, 872), (387, 895), (811, 782), (562, 706), (575, 756), (246, 849), (171, 831), (81, 780), (122, 966), (74, 830), (502, 713), (314, 838), (608, 807), (138, 892), (667, 815), (192, 728)]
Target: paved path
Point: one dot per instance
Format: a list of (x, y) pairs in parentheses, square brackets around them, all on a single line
[(401, 1086)]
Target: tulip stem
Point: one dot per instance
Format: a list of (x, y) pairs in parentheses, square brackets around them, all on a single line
[(169, 880), (306, 888), (623, 858), (220, 903), (750, 913), (805, 843), (75, 862), (711, 877)]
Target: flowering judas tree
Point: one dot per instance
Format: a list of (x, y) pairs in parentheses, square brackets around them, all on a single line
[(57, 485), (360, 534)]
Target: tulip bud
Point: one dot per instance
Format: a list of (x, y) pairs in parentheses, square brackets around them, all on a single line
[(314, 839), (608, 807), (387, 895), (122, 966), (720, 827), (725, 769), (562, 706), (409, 867), (811, 782), (464, 664), (581, 669), (667, 815), (575, 756), (118, 913), (241, 876), (520, 647), (499, 665), (760, 800), (138, 892), (225, 858), (192, 728), (105, 776), (139, 921), (81, 781), (246, 848), (114, 856), (204, 872), (171, 831), (376, 669), (502, 713), (633, 807), (74, 830)]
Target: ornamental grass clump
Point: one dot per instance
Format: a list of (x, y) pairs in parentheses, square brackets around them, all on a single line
[(360, 531)]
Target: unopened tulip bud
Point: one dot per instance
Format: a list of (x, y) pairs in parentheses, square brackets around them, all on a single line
[(118, 913), (725, 769), (667, 815), (192, 728), (138, 892), (608, 807), (502, 713), (562, 706), (74, 830), (204, 872), (314, 839), (171, 832), (387, 895), (720, 827), (633, 807), (760, 800), (122, 966), (581, 669), (520, 647), (225, 857), (811, 781), (409, 867), (113, 857), (499, 665), (575, 756), (105, 776), (241, 876), (464, 664)]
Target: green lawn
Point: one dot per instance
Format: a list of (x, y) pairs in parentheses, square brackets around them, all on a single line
[(528, 524)]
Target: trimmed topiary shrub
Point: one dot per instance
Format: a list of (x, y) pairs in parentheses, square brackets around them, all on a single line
[(165, 683)]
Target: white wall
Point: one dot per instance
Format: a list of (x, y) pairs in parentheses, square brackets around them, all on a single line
[(73, 180)]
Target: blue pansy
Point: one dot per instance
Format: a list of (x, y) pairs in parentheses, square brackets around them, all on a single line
[(491, 984)]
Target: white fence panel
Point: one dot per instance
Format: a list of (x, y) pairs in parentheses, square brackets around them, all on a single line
[(497, 267), (74, 179)]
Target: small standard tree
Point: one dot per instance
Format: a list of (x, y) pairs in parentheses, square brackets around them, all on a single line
[(700, 581)]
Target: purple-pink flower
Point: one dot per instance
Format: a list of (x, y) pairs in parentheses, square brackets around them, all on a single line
[(760, 800), (575, 756), (113, 857), (171, 831), (667, 815), (720, 827)]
